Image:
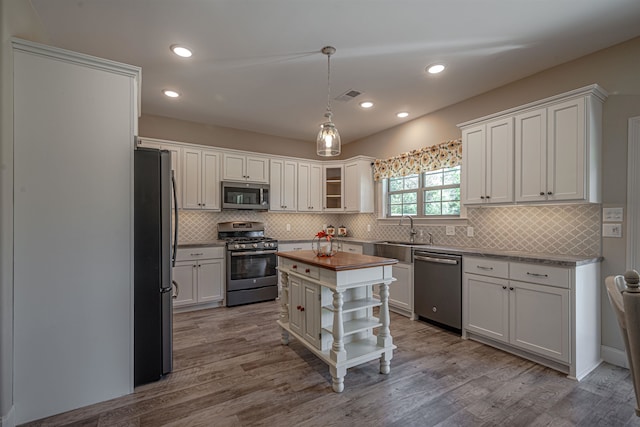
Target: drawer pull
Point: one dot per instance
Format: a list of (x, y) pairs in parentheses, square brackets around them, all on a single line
[(198, 254), (537, 274), (481, 267), (307, 270)]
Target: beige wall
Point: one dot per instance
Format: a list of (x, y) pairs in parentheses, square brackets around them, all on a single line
[(17, 19), (218, 136)]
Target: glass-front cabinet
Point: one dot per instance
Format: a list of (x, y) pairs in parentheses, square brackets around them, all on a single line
[(333, 187)]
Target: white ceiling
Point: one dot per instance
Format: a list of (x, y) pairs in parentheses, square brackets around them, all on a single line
[(257, 63)]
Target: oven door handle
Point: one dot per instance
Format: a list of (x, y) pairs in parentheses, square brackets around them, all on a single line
[(253, 253)]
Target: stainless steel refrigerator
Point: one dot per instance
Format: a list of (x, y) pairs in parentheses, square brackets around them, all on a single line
[(154, 256)]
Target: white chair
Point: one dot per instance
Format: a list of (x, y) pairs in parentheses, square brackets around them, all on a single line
[(624, 296)]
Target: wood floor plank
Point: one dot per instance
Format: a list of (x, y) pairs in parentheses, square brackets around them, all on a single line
[(230, 370)]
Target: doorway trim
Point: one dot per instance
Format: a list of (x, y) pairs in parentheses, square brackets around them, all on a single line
[(633, 196)]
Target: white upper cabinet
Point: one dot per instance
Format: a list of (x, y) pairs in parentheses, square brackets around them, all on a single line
[(557, 144), (176, 160), (309, 187), (487, 167), (201, 183), (557, 157), (283, 187), (240, 167), (358, 186)]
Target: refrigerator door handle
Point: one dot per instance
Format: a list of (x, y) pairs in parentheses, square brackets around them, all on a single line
[(175, 219)]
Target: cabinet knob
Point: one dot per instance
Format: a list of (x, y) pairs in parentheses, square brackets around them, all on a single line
[(307, 270), (301, 308), (482, 197), (294, 266), (510, 288), (542, 193), (488, 197), (504, 287), (549, 192)]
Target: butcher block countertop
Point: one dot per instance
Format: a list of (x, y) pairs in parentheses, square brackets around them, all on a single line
[(341, 261)]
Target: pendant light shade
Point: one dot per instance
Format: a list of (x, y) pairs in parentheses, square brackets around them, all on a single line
[(328, 140)]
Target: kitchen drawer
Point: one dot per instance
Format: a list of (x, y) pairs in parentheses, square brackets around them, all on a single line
[(486, 267), (542, 274), (205, 252), (301, 268), (351, 248)]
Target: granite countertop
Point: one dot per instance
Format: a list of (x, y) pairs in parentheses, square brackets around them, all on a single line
[(518, 256), (340, 261), (537, 258)]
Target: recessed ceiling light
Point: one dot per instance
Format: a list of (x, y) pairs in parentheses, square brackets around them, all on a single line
[(171, 93), (181, 51), (366, 104), (435, 69), (402, 114)]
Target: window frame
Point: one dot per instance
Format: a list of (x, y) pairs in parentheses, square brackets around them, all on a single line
[(421, 189)]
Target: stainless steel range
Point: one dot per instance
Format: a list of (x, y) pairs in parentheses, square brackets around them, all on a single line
[(251, 262)]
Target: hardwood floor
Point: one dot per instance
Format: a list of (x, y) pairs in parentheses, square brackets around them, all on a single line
[(231, 370)]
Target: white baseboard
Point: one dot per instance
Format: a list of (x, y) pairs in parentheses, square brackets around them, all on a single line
[(8, 419), (614, 356)]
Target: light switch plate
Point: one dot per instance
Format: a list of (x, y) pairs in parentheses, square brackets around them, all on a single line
[(450, 230), (611, 230), (613, 214), (469, 231)]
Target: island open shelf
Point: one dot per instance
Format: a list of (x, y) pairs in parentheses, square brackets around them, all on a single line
[(327, 304)]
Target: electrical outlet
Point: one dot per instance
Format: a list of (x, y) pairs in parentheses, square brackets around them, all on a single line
[(469, 231), (288, 227), (368, 227), (450, 230)]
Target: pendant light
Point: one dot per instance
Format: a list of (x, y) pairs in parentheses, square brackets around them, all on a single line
[(328, 140)]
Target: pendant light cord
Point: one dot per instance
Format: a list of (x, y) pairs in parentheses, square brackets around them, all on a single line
[(329, 85)]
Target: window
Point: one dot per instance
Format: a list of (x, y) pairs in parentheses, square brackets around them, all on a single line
[(433, 193)]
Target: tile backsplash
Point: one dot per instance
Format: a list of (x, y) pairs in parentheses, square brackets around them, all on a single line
[(562, 230)]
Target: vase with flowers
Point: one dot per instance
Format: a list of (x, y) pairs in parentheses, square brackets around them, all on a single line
[(323, 244)]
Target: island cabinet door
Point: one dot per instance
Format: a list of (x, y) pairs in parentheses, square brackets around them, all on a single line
[(295, 298), (311, 323)]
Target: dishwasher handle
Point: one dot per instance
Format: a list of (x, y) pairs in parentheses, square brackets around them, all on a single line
[(436, 260)]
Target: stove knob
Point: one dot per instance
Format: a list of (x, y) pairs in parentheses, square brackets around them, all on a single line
[(255, 245), (242, 246), (236, 246)]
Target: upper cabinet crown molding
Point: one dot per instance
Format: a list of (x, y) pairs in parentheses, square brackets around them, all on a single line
[(594, 90)]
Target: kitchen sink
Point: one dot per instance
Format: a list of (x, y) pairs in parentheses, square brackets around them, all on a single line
[(400, 250)]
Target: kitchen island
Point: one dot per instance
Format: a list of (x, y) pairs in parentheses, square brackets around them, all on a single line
[(327, 304)]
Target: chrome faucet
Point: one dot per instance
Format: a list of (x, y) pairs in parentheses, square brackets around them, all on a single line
[(412, 231)]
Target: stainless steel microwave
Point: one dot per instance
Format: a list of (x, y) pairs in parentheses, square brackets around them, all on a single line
[(245, 196)]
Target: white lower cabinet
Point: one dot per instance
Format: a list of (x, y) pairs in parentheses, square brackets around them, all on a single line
[(304, 299), (401, 291), (547, 313), (199, 277), (352, 248)]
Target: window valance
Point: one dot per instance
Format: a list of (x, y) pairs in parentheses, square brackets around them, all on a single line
[(444, 155)]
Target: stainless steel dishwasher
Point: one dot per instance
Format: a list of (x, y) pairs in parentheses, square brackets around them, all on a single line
[(437, 288)]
